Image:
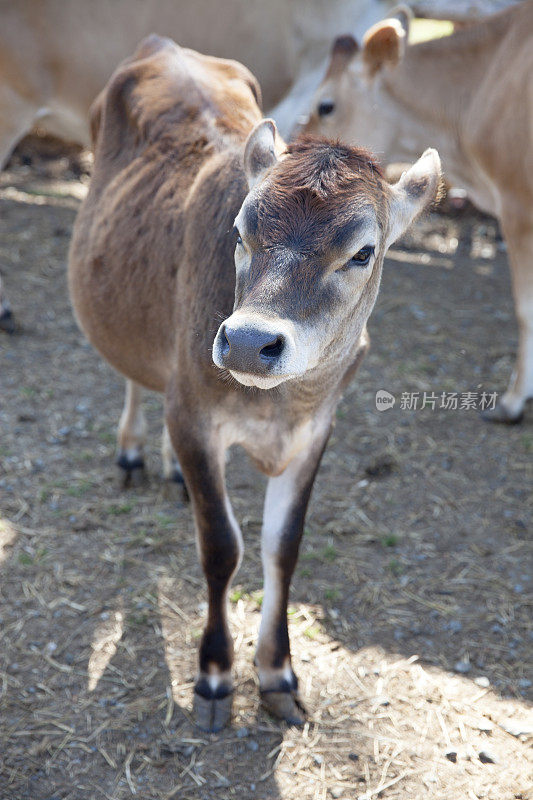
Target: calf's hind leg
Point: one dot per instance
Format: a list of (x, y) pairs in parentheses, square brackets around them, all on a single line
[(132, 437), (171, 465), (220, 549), (131, 433), (286, 502)]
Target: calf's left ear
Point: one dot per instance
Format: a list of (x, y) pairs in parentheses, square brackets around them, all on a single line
[(260, 151), (416, 189)]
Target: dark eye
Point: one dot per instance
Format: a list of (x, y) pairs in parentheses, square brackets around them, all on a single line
[(362, 258), (325, 107), (235, 232)]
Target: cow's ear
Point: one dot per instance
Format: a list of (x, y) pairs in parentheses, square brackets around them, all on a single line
[(416, 189), (404, 15), (343, 50), (384, 43), (260, 151)]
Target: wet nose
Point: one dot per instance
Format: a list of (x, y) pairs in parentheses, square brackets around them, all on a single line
[(250, 349)]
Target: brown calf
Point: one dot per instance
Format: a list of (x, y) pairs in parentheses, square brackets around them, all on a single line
[(186, 173)]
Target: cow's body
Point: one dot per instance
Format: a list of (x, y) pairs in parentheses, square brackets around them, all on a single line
[(152, 275), (471, 95), (55, 57)]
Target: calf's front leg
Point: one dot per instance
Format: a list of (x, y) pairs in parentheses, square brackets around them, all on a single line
[(220, 547), (286, 502)]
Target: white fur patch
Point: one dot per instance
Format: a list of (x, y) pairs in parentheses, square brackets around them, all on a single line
[(237, 532), (280, 495)]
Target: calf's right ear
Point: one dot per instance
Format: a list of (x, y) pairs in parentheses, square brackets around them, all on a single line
[(417, 188), (260, 151)]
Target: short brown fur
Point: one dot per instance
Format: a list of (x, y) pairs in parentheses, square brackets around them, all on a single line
[(315, 188)]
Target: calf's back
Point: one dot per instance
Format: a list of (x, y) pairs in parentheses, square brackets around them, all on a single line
[(150, 265)]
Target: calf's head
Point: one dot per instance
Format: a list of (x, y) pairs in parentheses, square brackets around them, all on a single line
[(310, 240)]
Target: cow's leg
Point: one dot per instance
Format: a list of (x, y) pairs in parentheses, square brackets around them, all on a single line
[(286, 502), (16, 119), (510, 407), (7, 323), (131, 433), (171, 465), (220, 548)]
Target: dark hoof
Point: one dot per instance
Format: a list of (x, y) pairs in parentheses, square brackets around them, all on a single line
[(132, 471), (174, 489), (177, 479), (501, 414), (284, 705), (211, 714), (7, 321), (177, 475)]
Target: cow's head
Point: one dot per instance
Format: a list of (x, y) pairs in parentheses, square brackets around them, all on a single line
[(348, 103), (311, 236)]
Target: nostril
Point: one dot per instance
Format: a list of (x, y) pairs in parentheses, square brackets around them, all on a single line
[(273, 350), (225, 342)]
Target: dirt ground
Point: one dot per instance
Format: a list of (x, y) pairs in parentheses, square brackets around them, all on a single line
[(411, 614)]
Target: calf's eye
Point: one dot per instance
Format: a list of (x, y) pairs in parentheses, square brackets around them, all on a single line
[(362, 258)]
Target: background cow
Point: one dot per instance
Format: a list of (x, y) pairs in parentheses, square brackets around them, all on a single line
[(55, 57), (470, 94)]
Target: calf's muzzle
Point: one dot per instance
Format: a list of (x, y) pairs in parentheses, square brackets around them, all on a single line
[(250, 349)]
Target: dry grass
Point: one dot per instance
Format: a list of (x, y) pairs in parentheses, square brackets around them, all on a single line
[(116, 717)]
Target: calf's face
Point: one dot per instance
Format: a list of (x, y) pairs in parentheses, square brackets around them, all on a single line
[(310, 240)]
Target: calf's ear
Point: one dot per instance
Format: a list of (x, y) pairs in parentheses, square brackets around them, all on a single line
[(260, 151), (416, 189)]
